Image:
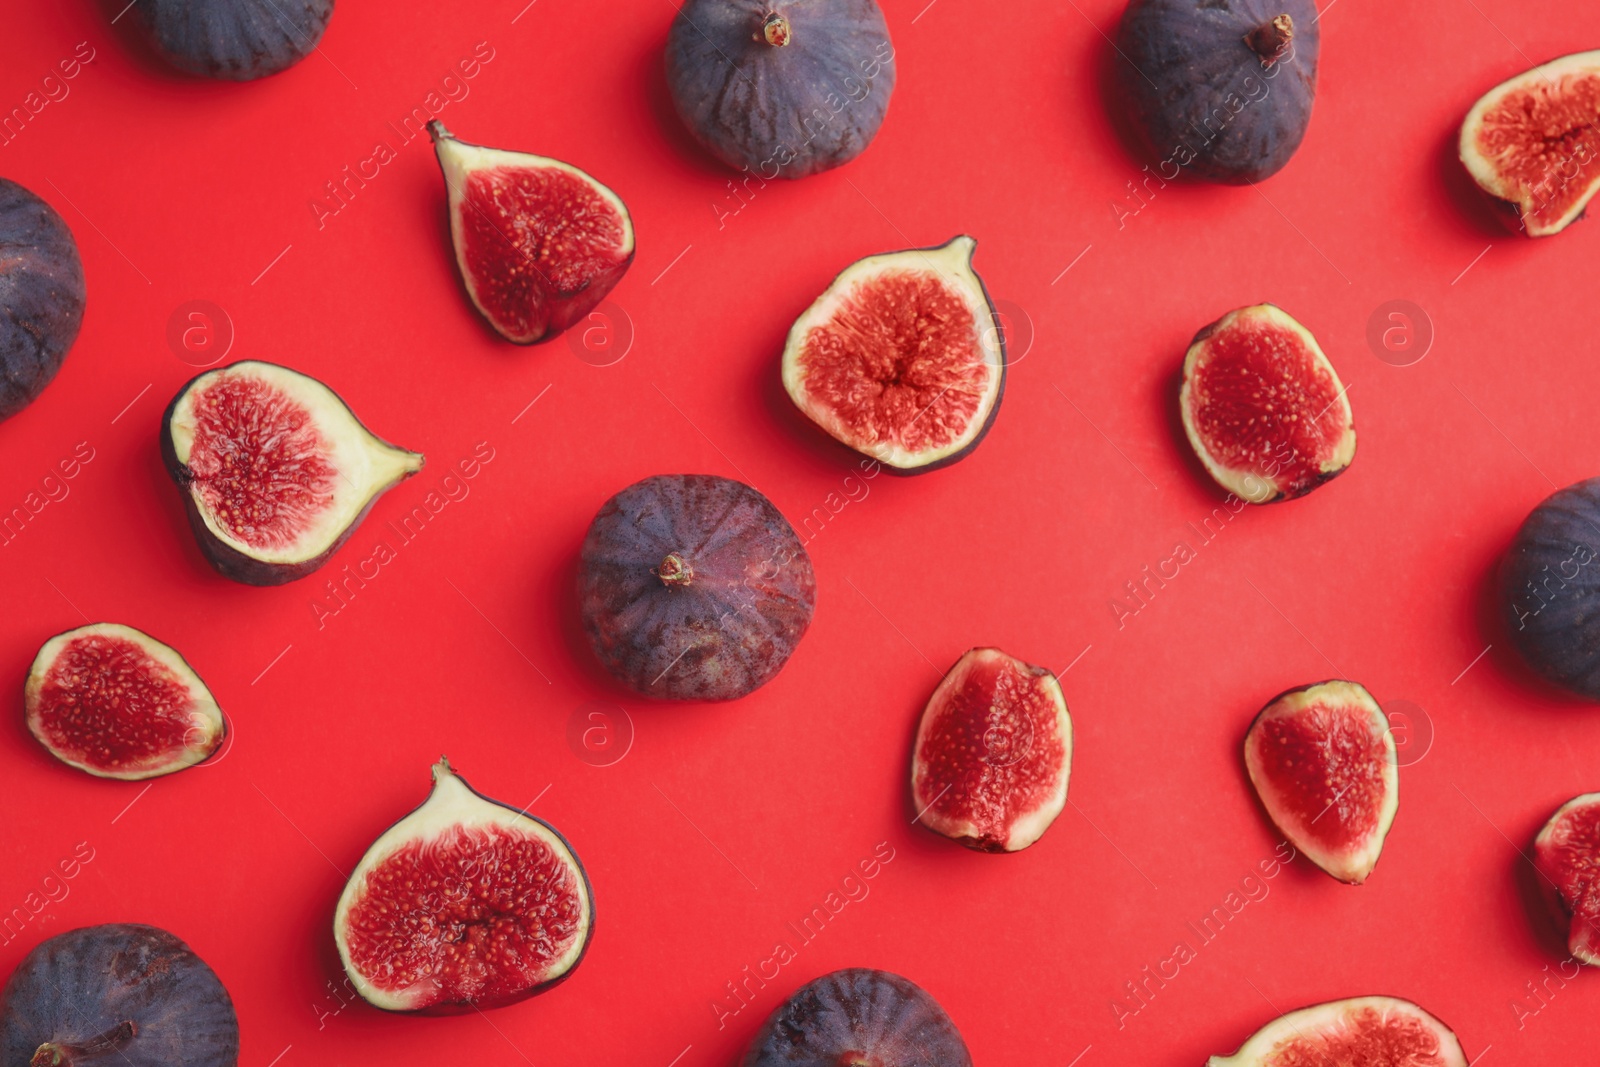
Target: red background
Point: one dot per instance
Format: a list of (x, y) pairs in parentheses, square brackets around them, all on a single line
[(722, 823)]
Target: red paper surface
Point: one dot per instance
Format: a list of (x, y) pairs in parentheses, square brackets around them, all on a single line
[(721, 825)]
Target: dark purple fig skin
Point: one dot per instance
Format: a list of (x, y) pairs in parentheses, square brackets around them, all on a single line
[(90, 983), (781, 111), (1203, 100), (725, 631), (1551, 589), (41, 296), (882, 1019), (233, 40)]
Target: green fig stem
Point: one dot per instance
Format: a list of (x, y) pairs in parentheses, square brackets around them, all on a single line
[(775, 31), (1271, 39), (115, 1039), (675, 570)]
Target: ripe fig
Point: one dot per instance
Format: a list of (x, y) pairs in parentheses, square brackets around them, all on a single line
[(233, 40), (1551, 588), (462, 905), (115, 702), (1381, 1031), (1223, 89), (41, 292), (993, 753), (1263, 408), (858, 1018), (694, 587), (122, 995), (538, 242), (781, 88), (1567, 855), (1533, 143), (902, 358), (1323, 762), (276, 471)]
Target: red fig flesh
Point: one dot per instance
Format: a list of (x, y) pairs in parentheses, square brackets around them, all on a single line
[(539, 243), (115, 702), (1567, 854), (993, 753), (1380, 1031), (1322, 760)]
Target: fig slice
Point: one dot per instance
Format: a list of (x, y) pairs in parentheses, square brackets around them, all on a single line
[(1533, 143), (993, 753), (902, 358), (108, 699), (538, 242), (1384, 1031), (1263, 408), (859, 1017), (464, 904), (1567, 855), (276, 471), (1322, 760)]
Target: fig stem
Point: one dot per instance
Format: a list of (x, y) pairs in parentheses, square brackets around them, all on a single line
[(675, 570), (1270, 39), (115, 1039), (775, 30)]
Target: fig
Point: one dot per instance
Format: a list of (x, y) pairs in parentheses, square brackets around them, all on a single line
[(1533, 144), (781, 88), (1322, 760), (993, 753), (902, 358), (1263, 408), (1221, 89), (858, 1017), (115, 702), (694, 587), (1381, 1031), (41, 294), (1567, 855), (122, 995), (462, 905), (275, 470), (538, 242), (1550, 588), (233, 40)]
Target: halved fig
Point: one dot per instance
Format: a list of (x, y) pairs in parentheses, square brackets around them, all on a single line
[(1381, 1031), (859, 1017), (1567, 854), (276, 471), (1322, 759), (1533, 143), (1263, 407), (115, 702), (538, 242), (464, 904), (902, 358), (993, 753)]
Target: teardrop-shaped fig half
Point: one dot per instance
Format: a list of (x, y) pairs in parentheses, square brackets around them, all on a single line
[(1322, 760), (115, 702), (1263, 408), (993, 753), (41, 293), (538, 242), (275, 469), (859, 1017), (1567, 855), (1382, 1031), (232, 40), (465, 904), (902, 358), (1533, 143)]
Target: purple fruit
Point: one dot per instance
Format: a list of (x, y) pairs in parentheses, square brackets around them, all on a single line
[(859, 1018), (41, 295), (234, 40)]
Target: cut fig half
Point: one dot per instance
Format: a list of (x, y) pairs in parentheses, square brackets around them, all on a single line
[(1533, 143), (538, 242), (902, 358), (276, 471), (993, 753), (1263, 408), (1567, 856), (464, 904), (1322, 759), (117, 703), (1381, 1031)]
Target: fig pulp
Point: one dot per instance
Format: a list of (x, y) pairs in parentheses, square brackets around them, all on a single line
[(902, 358), (1567, 855), (41, 292), (993, 753), (464, 904), (1551, 589), (276, 471), (118, 995), (1380, 1031), (1263, 408), (117, 703), (233, 40), (694, 587), (1323, 762), (859, 1018), (538, 242), (1533, 143)]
